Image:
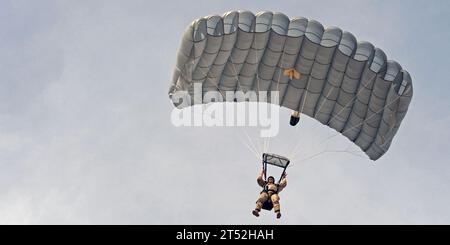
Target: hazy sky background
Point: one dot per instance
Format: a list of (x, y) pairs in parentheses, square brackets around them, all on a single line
[(86, 137)]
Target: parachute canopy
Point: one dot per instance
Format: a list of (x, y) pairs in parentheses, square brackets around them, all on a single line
[(324, 73)]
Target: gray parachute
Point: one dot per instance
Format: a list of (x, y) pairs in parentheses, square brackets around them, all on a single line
[(347, 85)]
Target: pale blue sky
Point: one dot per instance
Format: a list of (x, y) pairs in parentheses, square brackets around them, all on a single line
[(86, 138)]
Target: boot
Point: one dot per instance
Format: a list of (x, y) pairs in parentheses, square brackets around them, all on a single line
[(278, 215), (295, 118), (255, 212)]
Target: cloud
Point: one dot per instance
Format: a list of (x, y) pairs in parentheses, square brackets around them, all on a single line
[(86, 138)]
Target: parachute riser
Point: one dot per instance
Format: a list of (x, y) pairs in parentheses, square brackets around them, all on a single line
[(265, 162)]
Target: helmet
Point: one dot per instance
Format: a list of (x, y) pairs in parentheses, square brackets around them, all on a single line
[(271, 177)]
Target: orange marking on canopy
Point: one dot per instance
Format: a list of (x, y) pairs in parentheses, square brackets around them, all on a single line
[(291, 73)]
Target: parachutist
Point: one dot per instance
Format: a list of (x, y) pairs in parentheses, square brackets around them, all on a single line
[(268, 197), (269, 194), (295, 118)]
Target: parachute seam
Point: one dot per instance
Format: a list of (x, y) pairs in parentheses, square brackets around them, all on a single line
[(352, 101), (324, 81), (305, 91), (391, 88), (373, 112), (341, 91)]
